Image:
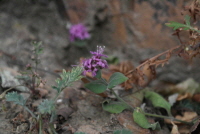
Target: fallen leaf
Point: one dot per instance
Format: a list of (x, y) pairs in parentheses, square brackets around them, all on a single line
[(172, 98), (174, 128), (188, 86), (19, 118), (196, 97), (194, 127), (134, 99), (184, 96), (187, 116)]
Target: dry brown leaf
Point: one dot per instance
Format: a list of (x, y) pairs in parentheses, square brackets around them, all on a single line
[(174, 128), (184, 96), (19, 118), (135, 100), (196, 97), (194, 127), (125, 67), (187, 116)]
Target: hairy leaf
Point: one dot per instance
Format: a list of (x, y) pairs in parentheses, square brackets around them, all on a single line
[(116, 79), (67, 78), (123, 131), (142, 121), (16, 98), (187, 20), (97, 86), (114, 107), (158, 101), (47, 106)]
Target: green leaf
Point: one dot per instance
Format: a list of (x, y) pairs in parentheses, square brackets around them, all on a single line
[(113, 106), (80, 133), (158, 101), (47, 106), (112, 60), (187, 20), (97, 86), (16, 98), (116, 79), (142, 121), (123, 131), (186, 26), (177, 25), (67, 78), (98, 75)]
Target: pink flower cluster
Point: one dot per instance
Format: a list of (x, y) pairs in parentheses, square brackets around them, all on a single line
[(78, 32), (95, 62)]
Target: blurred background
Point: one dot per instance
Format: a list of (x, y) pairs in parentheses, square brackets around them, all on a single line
[(131, 30)]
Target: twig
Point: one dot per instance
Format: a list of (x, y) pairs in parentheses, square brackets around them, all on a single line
[(151, 59)]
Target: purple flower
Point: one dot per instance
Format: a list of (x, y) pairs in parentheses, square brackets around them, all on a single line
[(95, 62), (78, 31)]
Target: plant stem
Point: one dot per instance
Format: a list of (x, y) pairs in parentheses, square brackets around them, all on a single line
[(166, 117), (52, 128), (30, 111), (148, 114), (121, 99)]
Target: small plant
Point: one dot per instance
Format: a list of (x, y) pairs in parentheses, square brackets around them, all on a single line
[(31, 77), (78, 35), (100, 85), (48, 107)]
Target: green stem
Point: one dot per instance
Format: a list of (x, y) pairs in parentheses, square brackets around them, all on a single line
[(148, 114), (121, 99), (52, 128), (166, 117), (30, 111), (40, 124)]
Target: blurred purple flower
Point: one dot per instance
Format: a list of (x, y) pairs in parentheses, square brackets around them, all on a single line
[(95, 62), (78, 31)]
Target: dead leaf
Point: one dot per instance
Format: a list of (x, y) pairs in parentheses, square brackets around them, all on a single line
[(19, 118), (125, 67), (184, 96), (196, 97), (187, 116), (136, 99), (174, 128), (194, 127)]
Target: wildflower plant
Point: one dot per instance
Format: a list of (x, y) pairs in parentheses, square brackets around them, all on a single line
[(99, 85), (30, 76), (47, 106), (95, 63), (79, 34)]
